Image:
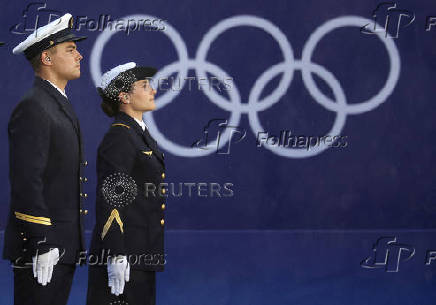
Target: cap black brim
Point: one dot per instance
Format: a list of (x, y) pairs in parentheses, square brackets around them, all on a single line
[(70, 37), (143, 72)]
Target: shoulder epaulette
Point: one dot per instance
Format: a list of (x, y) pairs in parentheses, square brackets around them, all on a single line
[(122, 125)]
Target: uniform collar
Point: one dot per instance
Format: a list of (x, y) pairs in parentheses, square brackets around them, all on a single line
[(124, 118), (59, 89), (55, 92), (60, 99)]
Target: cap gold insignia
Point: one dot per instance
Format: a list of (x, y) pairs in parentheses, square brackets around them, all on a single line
[(148, 153)]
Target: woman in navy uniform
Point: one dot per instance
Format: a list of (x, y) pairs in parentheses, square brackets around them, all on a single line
[(129, 230)]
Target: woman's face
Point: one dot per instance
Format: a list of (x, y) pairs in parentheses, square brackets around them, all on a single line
[(142, 96)]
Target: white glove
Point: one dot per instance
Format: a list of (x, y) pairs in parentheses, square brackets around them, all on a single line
[(43, 265), (118, 270)]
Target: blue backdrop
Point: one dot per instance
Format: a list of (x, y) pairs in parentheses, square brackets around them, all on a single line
[(288, 225)]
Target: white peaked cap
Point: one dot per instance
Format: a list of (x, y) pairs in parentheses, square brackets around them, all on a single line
[(43, 32), (114, 72)]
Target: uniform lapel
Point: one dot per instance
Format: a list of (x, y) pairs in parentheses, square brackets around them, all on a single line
[(65, 106), (145, 135), (152, 143), (62, 101)]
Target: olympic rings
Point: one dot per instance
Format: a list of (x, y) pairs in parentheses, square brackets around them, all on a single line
[(254, 105)]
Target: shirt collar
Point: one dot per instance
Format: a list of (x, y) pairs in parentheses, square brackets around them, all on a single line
[(124, 118), (141, 123), (62, 92)]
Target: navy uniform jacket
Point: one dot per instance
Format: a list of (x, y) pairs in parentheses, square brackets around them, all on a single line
[(130, 221), (45, 163)]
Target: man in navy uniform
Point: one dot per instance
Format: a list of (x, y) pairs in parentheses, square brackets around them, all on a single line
[(44, 234)]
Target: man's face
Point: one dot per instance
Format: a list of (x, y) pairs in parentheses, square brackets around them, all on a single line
[(65, 60)]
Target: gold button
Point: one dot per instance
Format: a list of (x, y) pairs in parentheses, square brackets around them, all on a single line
[(163, 175), (24, 238), (21, 233), (85, 212), (85, 195), (85, 179), (162, 222), (85, 163), (163, 206), (163, 191)]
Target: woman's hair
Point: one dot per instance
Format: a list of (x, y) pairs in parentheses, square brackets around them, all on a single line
[(109, 106)]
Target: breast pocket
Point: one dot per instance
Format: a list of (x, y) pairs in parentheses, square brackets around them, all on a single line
[(149, 165), (148, 161)]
